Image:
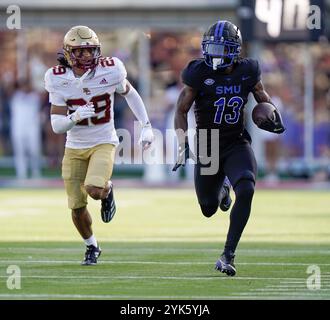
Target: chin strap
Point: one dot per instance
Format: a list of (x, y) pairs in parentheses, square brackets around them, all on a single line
[(216, 62), (79, 81)]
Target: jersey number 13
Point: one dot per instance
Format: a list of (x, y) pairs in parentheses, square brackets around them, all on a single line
[(235, 103)]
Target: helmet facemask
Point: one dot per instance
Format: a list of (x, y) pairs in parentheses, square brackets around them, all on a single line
[(81, 48), (220, 54), (77, 57), (221, 45)]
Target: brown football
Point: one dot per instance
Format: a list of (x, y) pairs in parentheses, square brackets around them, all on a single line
[(261, 112)]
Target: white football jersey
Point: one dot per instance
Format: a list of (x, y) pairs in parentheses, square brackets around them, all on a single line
[(68, 91)]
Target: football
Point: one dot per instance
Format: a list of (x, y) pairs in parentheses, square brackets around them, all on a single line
[(261, 112)]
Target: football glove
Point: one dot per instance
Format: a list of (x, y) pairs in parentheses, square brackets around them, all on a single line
[(273, 124), (83, 112), (184, 154), (147, 136)]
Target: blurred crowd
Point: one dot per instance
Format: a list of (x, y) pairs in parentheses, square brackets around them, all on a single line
[(283, 67), (25, 131)]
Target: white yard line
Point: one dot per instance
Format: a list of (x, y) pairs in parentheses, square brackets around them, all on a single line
[(242, 252), (6, 262), (288, 290), (127, 277), (294, 286)]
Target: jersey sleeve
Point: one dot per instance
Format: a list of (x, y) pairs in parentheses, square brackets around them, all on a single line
[(190, 76), (48, 81), (122, 87), (255, 73), (56, 99), (120, 69), (55, 96)]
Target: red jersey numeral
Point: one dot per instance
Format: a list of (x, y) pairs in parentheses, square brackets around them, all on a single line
[(102, 105), (102, 108), (107, 62), (59, 70)]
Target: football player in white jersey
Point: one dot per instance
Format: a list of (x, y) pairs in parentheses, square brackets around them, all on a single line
[(81, 92)]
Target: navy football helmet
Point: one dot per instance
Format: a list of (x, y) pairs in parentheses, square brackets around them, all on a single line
[(221, 44)]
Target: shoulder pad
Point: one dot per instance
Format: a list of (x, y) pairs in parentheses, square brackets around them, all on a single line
[(195, 65), (114, 65), (191, 75), (253, 69), (251, 63), (54, 76)]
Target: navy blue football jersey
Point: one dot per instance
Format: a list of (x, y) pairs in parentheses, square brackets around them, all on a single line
[(221, 97)]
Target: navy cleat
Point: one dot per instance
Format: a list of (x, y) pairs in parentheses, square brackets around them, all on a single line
[(108, 206), (226, 264), (91, 255), (224, 196)]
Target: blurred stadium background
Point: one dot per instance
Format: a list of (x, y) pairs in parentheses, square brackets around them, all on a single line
[(155, 39)]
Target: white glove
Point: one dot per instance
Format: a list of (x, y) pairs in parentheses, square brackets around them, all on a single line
[(147, 136), (83, 112)]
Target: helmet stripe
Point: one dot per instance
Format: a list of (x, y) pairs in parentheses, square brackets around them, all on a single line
[(221, 29), (217, 29)]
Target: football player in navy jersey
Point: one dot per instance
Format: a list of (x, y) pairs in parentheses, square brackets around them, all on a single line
[(219, 85)]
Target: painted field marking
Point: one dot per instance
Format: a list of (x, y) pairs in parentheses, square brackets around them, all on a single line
[(160, 262)]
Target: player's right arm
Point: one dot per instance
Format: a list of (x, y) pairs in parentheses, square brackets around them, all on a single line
[(61, 122), (191, 80), (185, 101)]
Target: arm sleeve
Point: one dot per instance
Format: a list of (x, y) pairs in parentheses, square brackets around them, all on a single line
[(60, 123), (136, 104), (133, 99)]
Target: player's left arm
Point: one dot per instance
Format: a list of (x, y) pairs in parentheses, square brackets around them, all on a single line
[(274, 124), (137, 106)]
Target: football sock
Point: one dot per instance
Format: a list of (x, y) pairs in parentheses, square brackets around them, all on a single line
[(239, 214), (109, 186), (91, 241)]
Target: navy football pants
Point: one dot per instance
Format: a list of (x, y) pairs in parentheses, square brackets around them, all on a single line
[(239, 165)]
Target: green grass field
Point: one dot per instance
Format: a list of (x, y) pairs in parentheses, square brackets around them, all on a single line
[(159, 246)]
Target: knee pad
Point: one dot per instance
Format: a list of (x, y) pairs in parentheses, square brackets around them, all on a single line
[(208, 211)]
